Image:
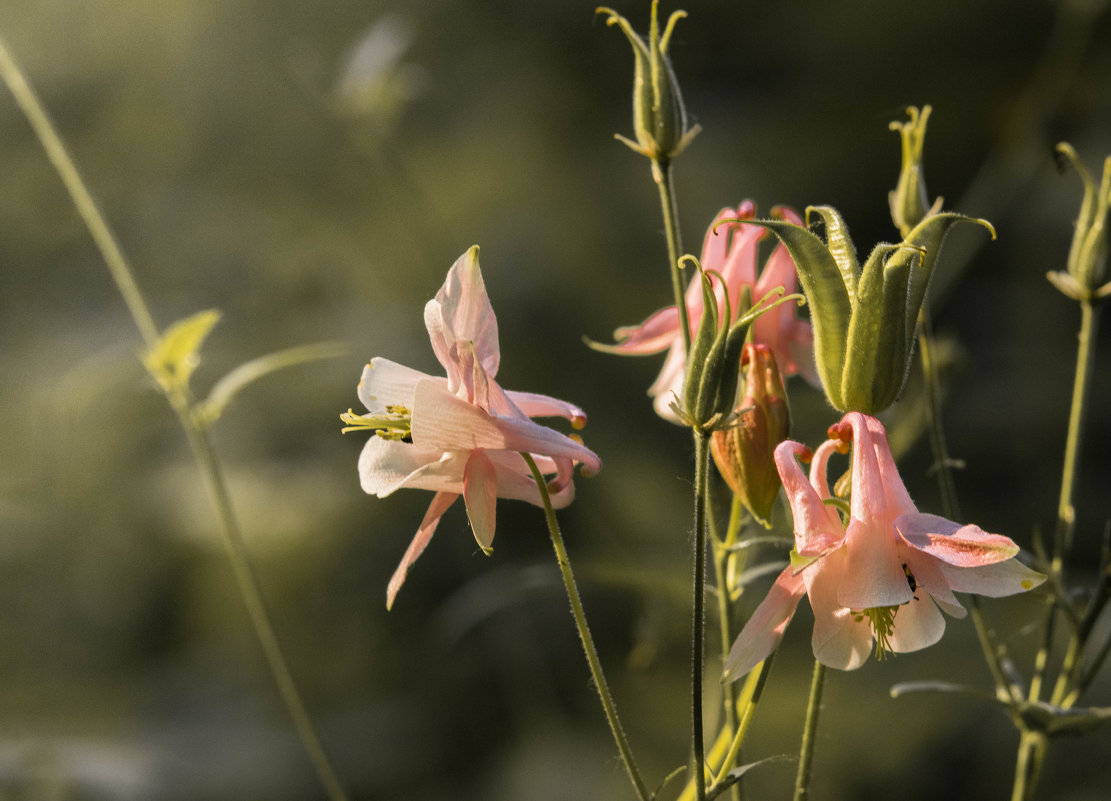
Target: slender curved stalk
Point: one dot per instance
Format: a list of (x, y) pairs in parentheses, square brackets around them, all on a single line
[(806, 752), (1028, 766), (661, 174), (183, 406), (942, 461), (698, 614), (755, 682), (725, 621), (579, 615)]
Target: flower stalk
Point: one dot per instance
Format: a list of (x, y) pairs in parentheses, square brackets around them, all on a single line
[(596, 672), (809, 732)]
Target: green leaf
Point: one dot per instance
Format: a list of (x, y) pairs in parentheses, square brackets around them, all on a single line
[(247, 373), (177, 353), (735, 775)]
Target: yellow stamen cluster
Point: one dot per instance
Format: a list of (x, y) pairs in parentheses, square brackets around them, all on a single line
[(395, 424), (882, 621)]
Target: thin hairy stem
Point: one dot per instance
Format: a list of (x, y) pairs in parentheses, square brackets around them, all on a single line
[(698, 614), (754, 687), (182, 405), (579, 615), (661, 174), (809, 732)]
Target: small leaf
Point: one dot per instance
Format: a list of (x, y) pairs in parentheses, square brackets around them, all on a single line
[(177, 353), (735, 775), (230, 385)]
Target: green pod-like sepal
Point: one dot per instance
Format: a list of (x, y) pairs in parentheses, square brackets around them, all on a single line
[(840, 246), (702, 360), (909, 202), (659, 115), (825, 284), (1087, 263)]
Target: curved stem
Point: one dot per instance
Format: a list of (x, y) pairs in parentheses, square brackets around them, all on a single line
[(806, 752), (182, 405), (942, 461), (661, 174), (698, 628), (584, 634), (56, 151), (754, 688), (1028, 766)]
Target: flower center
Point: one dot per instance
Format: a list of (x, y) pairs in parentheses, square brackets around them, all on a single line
[(395, 424), (882, 621)]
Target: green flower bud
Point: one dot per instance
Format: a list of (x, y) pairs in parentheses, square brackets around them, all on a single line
[(659, 117), (864, 318), (909, 202), (744, 452), (1087, 264)]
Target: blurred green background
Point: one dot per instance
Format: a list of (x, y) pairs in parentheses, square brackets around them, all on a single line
[(312, 170)]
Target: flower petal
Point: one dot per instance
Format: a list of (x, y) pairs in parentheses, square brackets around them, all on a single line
[(918, 624), (652, 336), (994, 581), (764, 630), (814, 521), (443, 421), (480, 494), (952, 543), (535, 405), (388, 465), (436, 509), (461, 311), (839, 640), (386, 383)]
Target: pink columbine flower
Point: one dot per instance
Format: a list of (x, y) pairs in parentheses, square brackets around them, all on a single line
[(883, 576), (731, 252), (461, 434)]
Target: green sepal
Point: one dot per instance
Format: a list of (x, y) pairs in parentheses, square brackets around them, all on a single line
[(876, 337), (825, 287), (701, 345), (929, 236), (840, 246), (177, 353)]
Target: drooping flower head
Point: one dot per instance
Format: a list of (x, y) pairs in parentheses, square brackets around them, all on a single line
[(881, 575), (461, 434), (729, 255)]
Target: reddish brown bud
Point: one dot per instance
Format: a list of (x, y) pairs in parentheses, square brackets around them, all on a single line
[(744, 451)]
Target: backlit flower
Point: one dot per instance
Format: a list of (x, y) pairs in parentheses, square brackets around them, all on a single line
[(882, 576), (731, 253), (461, 434)]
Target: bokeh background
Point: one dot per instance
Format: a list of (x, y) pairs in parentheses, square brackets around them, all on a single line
[(312, 170)]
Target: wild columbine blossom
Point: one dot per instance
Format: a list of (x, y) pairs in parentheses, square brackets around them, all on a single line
[(882, 576), (730, 252), (461, 434)]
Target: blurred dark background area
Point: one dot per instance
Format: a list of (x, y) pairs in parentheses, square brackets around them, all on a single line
[(312, 170)]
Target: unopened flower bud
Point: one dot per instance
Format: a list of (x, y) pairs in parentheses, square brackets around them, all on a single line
[(909, 202), (1087, 276), (659, 117), (745, 451)]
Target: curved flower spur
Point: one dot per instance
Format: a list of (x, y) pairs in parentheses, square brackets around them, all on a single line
[(880, 576), (461, 434)]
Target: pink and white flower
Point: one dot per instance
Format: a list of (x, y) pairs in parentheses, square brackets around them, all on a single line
[(731, 253), (461, 434), (881, 576)]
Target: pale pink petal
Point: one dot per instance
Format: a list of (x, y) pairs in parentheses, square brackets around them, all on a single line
[(898, 499), (443, 421), (388, 465), (739, 270), (839, 640), (386, 383), (918, 625), (1002, 578), (819, 467), (652, 336), (952, 543), (715, 244), (764, 630), (668, 386), (813, 519), (873, 573), (929, 578), (461, 311), (543, 406), (439, 505), (480, 494)]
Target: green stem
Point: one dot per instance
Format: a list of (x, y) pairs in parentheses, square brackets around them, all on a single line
[(942, 461), (806, 752), (36, 115), (1085, 359), (698, 628), (758, 678), (1028, 766), (721, 554), (182, 405), (661, 174), (579, 615)]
